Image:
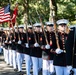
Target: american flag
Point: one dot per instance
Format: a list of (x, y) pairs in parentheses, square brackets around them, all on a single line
[(5, 14)]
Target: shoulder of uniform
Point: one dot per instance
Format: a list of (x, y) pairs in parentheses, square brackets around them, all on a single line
[(72, 29)]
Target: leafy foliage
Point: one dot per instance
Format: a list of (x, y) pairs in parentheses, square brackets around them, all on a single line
[(65, 9)]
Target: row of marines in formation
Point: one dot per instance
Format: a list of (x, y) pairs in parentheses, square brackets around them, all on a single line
[(37, 53)]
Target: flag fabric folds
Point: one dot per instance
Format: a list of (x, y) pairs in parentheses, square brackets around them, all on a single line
[(15, 12), (5, 14)]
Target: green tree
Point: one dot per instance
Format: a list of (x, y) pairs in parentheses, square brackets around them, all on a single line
[(63, 9)]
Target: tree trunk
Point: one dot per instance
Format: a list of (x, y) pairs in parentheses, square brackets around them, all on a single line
[(26, 9), (53, 6)]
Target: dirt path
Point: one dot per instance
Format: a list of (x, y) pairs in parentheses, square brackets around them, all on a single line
[(7, 70)]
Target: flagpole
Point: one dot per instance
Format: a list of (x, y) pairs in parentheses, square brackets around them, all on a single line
[(16, 7), (9, 22), (16, 23), (9, 2)]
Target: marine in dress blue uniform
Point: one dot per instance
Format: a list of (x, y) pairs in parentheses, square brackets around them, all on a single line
[(47, 53), (60, 56), (19, 48), (71, 51)]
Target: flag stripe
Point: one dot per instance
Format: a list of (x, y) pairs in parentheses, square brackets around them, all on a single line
[(5, 14), (4, 20), (2, 14)]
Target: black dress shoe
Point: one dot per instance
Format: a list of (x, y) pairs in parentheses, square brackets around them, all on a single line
[(20, 73), (16, 70), (8, 64), (11, 66)]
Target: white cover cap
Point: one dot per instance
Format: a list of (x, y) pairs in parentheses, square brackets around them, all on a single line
[(29, 26), (62, 21), (21, 26), (49, 23), (15, 27), (37, 24)]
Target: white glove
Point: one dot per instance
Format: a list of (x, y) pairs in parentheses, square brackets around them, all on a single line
[(10, 42), (59, 51), (26, 44), (6, 41), (19, 42), (36, 45), (1, 46), (14, 40), (69, 68), (47, 46)]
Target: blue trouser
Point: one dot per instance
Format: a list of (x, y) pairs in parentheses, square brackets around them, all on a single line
[(10, 58), (27, 61), (35, 65), (14, 59), (61, 70), (48, 67), (19, 60)]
